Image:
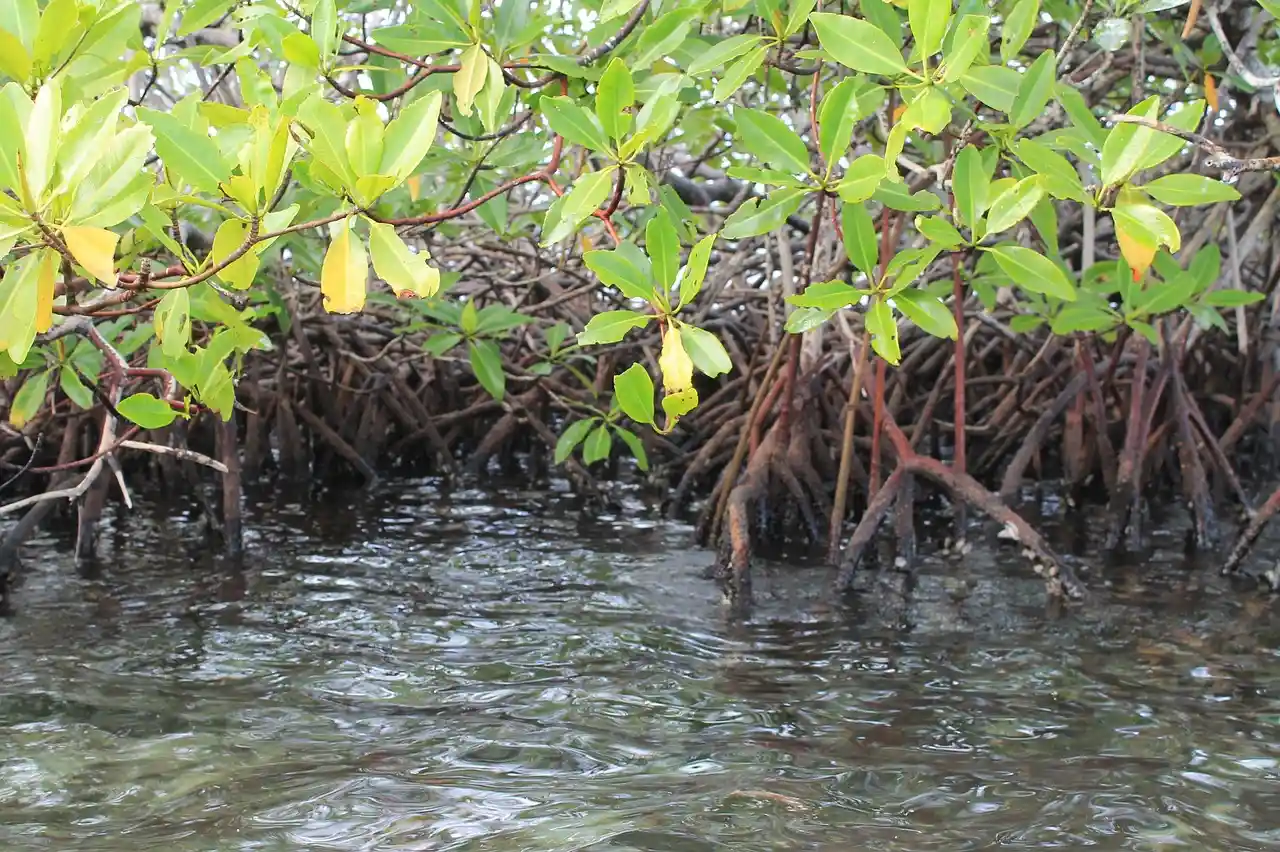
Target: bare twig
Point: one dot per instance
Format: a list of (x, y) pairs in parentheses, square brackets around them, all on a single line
[(177, 452), (1218, 158)]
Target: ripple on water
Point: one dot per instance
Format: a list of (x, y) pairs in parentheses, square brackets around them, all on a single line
[(487, 671)]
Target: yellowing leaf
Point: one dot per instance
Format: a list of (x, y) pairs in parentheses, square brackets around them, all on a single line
[(1138, 248), (406, 272), (95, 250), (1211, 92), (674, 362), (469, 79), (1140, 230), (345, 274), (44, 290), (229, 238)]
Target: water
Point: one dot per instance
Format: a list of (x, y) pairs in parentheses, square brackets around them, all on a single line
[(484, 672)]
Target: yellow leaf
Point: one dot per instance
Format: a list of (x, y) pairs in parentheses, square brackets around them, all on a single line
[(344, 277), (44, 290), (1211, 92), (95, 250), (674, 362), (469, 79), (415, 188)]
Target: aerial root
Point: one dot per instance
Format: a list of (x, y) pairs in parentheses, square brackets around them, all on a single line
[(1059, 578), (1249, 537)]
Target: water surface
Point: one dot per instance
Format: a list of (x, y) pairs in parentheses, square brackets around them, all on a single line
[(485, 671)]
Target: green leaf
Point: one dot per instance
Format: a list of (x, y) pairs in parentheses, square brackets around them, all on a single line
[(1018, 27), (1232, 298), (407, 273), (723, 52), (1165, 145), (970, 39), (469, 79), (828, 296), (201, 13), (1034, 272), (663, 246), (58, 25), (861, 179), (738, 72), (598, 445), (691, 277), (894, 195), (409, 136), (172, 321), (28, 399), (486, 363), (927, 312), (1127, 144), (1189, 190), (804, 319), (858, 44), (755, 217), (860, 244), (770, 140), (798, 15), (611, 326), (633, 389), (638, 188), (324, 29), (1045, 217), (22, 18), (442, 342), (19, 306), (191, 154), (706, 351), (996, 86), (571, 438), (842, 108), (1087, 315), (42, 136), (574, 123), (1081, 115), (928, 20), (634, 445), (619, 268), (568, 211), (1014, 204), (971, 183), (615, 95), (884, 332), (885, 17), (146, 411), (74, 388), (939, 230), (663, 36), (1035, 90), (1206, 266), (1164, 296), (655, 117)]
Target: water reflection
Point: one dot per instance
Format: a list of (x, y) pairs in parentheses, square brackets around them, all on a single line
[(480, 671)]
